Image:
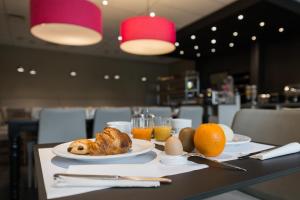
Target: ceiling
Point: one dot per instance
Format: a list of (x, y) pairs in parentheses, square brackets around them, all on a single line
[(275, 14), (14, 23)]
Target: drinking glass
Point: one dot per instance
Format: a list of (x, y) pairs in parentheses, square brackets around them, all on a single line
[(162, 128), (142, 127)]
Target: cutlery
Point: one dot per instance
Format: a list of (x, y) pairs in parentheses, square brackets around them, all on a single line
[(215, 161), (114, 177), (254, 153)]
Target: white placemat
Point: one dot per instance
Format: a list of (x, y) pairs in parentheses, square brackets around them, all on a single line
[(232, 152), (52, 164)]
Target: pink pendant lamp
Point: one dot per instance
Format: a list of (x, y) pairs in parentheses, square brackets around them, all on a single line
[(66, 22), (145, 35)]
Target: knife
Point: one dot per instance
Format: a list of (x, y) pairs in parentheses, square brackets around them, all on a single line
[(224, 164), (114, 177), (254, 153)]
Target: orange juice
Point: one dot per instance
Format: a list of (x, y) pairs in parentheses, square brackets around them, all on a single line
[(142, 133), (162, 133)]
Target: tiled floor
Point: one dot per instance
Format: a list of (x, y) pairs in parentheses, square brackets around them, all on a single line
[(26, 194)]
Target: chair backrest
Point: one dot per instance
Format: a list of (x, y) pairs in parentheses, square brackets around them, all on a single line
[(195, 113), (161, 111), (104, 115), (269, 126), (226, 114), (61, 125)]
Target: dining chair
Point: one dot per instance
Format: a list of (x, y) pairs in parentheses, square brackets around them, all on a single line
[(56, 126), (162, 111), (277, 127), (104, 115), (195, 113)]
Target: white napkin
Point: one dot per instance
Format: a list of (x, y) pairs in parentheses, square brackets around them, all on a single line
[(64, 181), (290, 148)]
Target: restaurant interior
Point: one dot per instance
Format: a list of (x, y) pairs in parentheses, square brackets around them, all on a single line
[(150, 99)]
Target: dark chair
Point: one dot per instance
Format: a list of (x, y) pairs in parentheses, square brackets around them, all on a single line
[(275, 127)]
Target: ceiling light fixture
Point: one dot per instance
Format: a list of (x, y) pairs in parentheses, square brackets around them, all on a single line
[(231, 44), (213, 41), (193, 37), (73, 73), (176, 44), (240, 17), (253, 38), (105, 2), (106, 77), (152, 14), (144, 79), (213, 50), (117, 77), (20, 69), (235, 34), (66, 22), (32, 72), (262, 24), (181, 52), (145, 35), (196, 47), (120, 38), (198, 54), (281, 29), (214, 28)]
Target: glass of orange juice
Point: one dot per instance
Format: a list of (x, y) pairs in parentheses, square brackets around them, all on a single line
[(162, 128), (142, 126)]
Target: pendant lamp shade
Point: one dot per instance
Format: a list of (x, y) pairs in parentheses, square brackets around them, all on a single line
[(145, 35), (66, 22)]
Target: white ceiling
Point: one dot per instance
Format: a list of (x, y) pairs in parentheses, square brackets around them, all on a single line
[(14, 23)]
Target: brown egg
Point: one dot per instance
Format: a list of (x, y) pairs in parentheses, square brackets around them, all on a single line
[(186, 137), (173, 146)]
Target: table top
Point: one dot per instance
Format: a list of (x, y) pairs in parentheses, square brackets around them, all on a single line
[(192, 185)]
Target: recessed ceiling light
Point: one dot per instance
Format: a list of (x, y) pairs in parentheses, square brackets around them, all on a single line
[(152, 14), (144, 79), (240, 17), (181, 52), (214, 28), (231, 44), (105, 2), (20, 69), (32, 72), (198, 54), (262, 24), (213, 41), (253, 38), (281, 29), (235, 34), (117, 77), (176, 44), (120, 38), (213, 50), (73, 73), (196, 47), (193, 37), (106, 77)]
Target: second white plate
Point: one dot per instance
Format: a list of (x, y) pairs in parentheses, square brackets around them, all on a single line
[(239, 139)]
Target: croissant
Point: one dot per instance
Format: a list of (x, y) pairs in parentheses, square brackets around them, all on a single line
[(109, 142)]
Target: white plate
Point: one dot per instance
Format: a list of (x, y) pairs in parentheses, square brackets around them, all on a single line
[(138, 147), (239, 139)]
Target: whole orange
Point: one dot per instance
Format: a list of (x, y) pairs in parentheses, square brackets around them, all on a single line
[(209, 139)]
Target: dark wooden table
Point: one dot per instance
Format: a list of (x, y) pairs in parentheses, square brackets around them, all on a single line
[(193, 185), (15, 129)]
